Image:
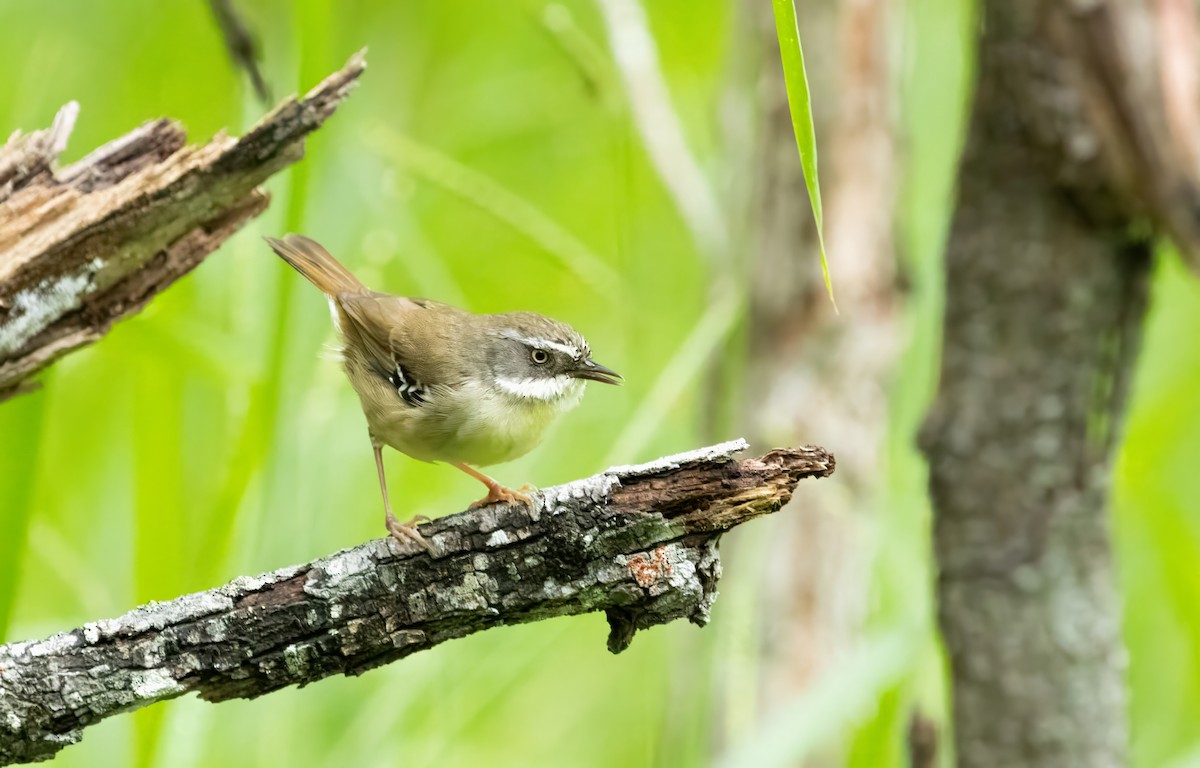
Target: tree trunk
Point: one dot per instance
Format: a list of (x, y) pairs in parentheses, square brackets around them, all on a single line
[(1045, 294)]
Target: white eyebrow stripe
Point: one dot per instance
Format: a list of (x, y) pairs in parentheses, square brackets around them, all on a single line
[(539, 389), (546, 344)]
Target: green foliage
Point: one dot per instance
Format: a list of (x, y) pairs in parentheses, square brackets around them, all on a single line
[(1156, 522), (488, 159)]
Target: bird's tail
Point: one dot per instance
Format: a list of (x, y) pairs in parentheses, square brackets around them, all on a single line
[(309, 258)]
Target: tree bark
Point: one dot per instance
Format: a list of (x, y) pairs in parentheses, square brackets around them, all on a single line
[(638, 542), (1045, 294), (90, 244)]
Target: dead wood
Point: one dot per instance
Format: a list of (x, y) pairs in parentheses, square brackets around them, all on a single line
[(84, 246)]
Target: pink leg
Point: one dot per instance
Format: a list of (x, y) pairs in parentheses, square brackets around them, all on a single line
[(400, 531), (496, 492)]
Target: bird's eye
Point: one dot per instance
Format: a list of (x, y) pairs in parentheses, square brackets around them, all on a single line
[(539, 356)]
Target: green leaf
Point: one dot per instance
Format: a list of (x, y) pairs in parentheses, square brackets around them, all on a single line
[(800, 104)]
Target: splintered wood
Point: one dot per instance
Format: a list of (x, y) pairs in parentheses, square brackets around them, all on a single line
[(84, 246)]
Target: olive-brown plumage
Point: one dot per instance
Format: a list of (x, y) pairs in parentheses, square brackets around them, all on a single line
[(439, 383)]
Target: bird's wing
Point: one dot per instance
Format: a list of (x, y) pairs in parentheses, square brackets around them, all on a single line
[(414, 334)]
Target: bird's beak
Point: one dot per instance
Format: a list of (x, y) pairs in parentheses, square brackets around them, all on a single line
[(593, 371)]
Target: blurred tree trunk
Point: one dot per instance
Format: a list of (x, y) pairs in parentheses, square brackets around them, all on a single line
[(1045, 295), (801, 353)]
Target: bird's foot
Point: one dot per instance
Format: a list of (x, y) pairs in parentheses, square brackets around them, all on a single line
[(498, 493), (407, 531)]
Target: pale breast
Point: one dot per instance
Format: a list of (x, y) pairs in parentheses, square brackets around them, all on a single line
[(497, 427), (470, 423)]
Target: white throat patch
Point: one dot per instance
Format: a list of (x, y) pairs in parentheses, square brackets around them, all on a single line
[(548, 389)]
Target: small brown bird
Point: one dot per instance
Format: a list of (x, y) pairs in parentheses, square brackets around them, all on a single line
[(439, 383)]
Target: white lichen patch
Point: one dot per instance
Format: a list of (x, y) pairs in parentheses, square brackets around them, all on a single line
[(710, 453), (51, 646), (552, 589), (217, 629), (153, 652), (448, 541), (469, 595), (487, 520), (296, 658), (156, 616), (348, 562), (154, 684), (33, 309), (595, 489), (682, 571), (339, 572), (66, 738), (244, 584), (499, 538)]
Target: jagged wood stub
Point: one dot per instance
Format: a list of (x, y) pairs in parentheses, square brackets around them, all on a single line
[(92, 243), (639, 543)]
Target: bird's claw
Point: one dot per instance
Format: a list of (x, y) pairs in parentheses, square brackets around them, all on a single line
[(407, 531), (498, 493)]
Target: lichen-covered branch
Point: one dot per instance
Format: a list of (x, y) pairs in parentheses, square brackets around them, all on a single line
[(637, 542), (87, 245)]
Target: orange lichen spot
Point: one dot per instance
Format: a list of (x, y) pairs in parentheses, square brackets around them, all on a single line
[(647, 569)]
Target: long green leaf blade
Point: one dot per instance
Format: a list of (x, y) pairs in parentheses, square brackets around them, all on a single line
[(787, 28)]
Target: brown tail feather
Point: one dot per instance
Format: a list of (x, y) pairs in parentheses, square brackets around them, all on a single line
[(309, 258)]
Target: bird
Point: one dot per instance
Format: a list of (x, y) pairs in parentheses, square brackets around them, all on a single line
[(443, 384)]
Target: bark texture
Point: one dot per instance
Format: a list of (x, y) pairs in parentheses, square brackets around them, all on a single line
[(638, 542), (92, 243), (1045, 296)]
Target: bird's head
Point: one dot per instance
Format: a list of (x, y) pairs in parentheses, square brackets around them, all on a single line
[(535, 358)]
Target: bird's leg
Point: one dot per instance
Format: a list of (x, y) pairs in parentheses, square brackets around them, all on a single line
[(496, 492), (400, 531)]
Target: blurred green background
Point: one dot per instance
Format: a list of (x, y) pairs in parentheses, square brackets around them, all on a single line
[(489, 159)]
